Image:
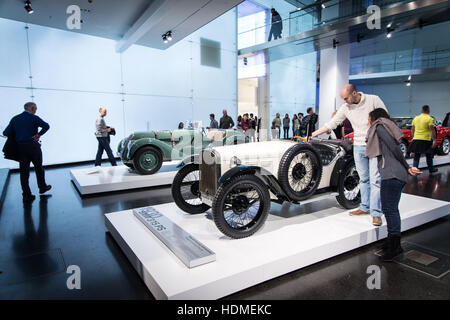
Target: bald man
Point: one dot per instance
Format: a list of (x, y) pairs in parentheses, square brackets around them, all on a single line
[(356, 109), (102, 134)]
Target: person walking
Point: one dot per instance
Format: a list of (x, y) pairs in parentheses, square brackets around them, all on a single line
[(102, 133), (277, 25), (356, 109), (276, 126), (424, 138), (252, 130), (383, 143), (295, 126), (24, 128), (226, 122)]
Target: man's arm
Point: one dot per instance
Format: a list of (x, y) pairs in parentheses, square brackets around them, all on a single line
[(433, 136), (43, 125), (232, 123), (338, 118)]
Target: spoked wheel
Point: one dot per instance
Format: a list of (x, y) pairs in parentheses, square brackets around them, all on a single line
[(445, 147), (241, 206), (186, 191), (404, 149), (300, 172), (348, 187)]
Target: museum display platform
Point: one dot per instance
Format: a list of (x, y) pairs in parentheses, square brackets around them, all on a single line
[(437, 161), (106, 179), (293, 237)]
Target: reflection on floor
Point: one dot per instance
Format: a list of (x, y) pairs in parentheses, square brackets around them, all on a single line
[(56, 231)]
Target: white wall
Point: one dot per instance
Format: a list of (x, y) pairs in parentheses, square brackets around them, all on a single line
[(74, 74)]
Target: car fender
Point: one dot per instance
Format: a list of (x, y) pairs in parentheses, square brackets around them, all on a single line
[(338, 169), (264, 175), (162, 146)]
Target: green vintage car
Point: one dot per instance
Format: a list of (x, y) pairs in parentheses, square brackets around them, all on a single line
[(146, 151)]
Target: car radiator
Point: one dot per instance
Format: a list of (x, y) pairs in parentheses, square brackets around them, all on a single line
[(209, 173)]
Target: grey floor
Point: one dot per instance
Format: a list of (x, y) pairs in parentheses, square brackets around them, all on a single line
[(39, 241)]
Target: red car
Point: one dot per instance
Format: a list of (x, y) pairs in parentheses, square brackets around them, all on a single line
[(442, 134)]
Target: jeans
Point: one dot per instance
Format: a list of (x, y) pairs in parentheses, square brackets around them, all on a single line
[(369, 181), (286, 132), (429, 157), (103, 145), (391, 191), (30, 153)]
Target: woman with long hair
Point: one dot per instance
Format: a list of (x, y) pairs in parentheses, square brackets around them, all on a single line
[(383, 142)]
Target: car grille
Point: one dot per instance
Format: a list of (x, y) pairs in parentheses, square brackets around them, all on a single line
[(124, 152), (209, 172)]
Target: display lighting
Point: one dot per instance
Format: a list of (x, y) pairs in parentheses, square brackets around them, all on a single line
[(323, 6), (28, 7), (167, 36), (389, 32)]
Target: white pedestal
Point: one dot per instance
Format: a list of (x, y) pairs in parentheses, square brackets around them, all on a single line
[(291, 239), (437, 161), (107, 179)]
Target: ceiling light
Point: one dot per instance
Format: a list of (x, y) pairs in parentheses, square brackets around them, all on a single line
[(409, 78), (164, 37), (298, 9), (28, 7), (169, 35), (323, 6)]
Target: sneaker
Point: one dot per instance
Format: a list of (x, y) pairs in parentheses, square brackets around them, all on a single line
[(376, 221), (28, 197), (358, 212), (45, 189)]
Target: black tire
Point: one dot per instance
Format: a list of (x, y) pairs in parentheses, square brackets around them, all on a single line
[(348, 187), (300, 171), (185, 190), (444, 149), (154, 154), (231, 206)]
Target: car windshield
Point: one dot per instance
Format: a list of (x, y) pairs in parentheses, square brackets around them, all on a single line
[(403, 123)]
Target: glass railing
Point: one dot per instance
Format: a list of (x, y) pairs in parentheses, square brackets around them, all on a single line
[(316, 14), (413, 59)]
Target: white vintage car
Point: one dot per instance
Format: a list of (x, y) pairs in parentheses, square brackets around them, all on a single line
[(238, 182)]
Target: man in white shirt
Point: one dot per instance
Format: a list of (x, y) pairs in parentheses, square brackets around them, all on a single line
[(356, 109)]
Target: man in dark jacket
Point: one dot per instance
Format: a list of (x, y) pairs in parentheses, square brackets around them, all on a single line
[(24, 127), (226, 122), (277, 25)]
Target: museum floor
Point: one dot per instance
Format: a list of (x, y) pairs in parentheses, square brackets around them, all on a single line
[(39, 241)]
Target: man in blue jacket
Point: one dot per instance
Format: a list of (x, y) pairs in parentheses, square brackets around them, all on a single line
[(25, 127)]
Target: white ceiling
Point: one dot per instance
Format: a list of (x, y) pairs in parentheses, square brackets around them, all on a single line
[(131, 21)]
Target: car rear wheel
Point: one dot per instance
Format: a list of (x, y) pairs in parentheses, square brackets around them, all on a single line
[(240, 206), (186, 191), (445, 147), (147, 160), (348, 187), (300, 171)]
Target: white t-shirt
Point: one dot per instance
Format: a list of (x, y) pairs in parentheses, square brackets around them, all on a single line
[(358, 115)]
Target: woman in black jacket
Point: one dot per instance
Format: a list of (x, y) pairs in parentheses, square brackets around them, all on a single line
[(383, 142)]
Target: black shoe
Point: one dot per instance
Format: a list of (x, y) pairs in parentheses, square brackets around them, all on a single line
[(393, 248), (45, 189), (433, 170), (28, 197)]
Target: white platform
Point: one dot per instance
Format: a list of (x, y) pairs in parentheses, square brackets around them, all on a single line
[(106, 179), (291, 239), (437, 161)]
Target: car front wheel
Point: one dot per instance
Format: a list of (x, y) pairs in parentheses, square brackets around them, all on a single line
[(186, 191), (240, 206)]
